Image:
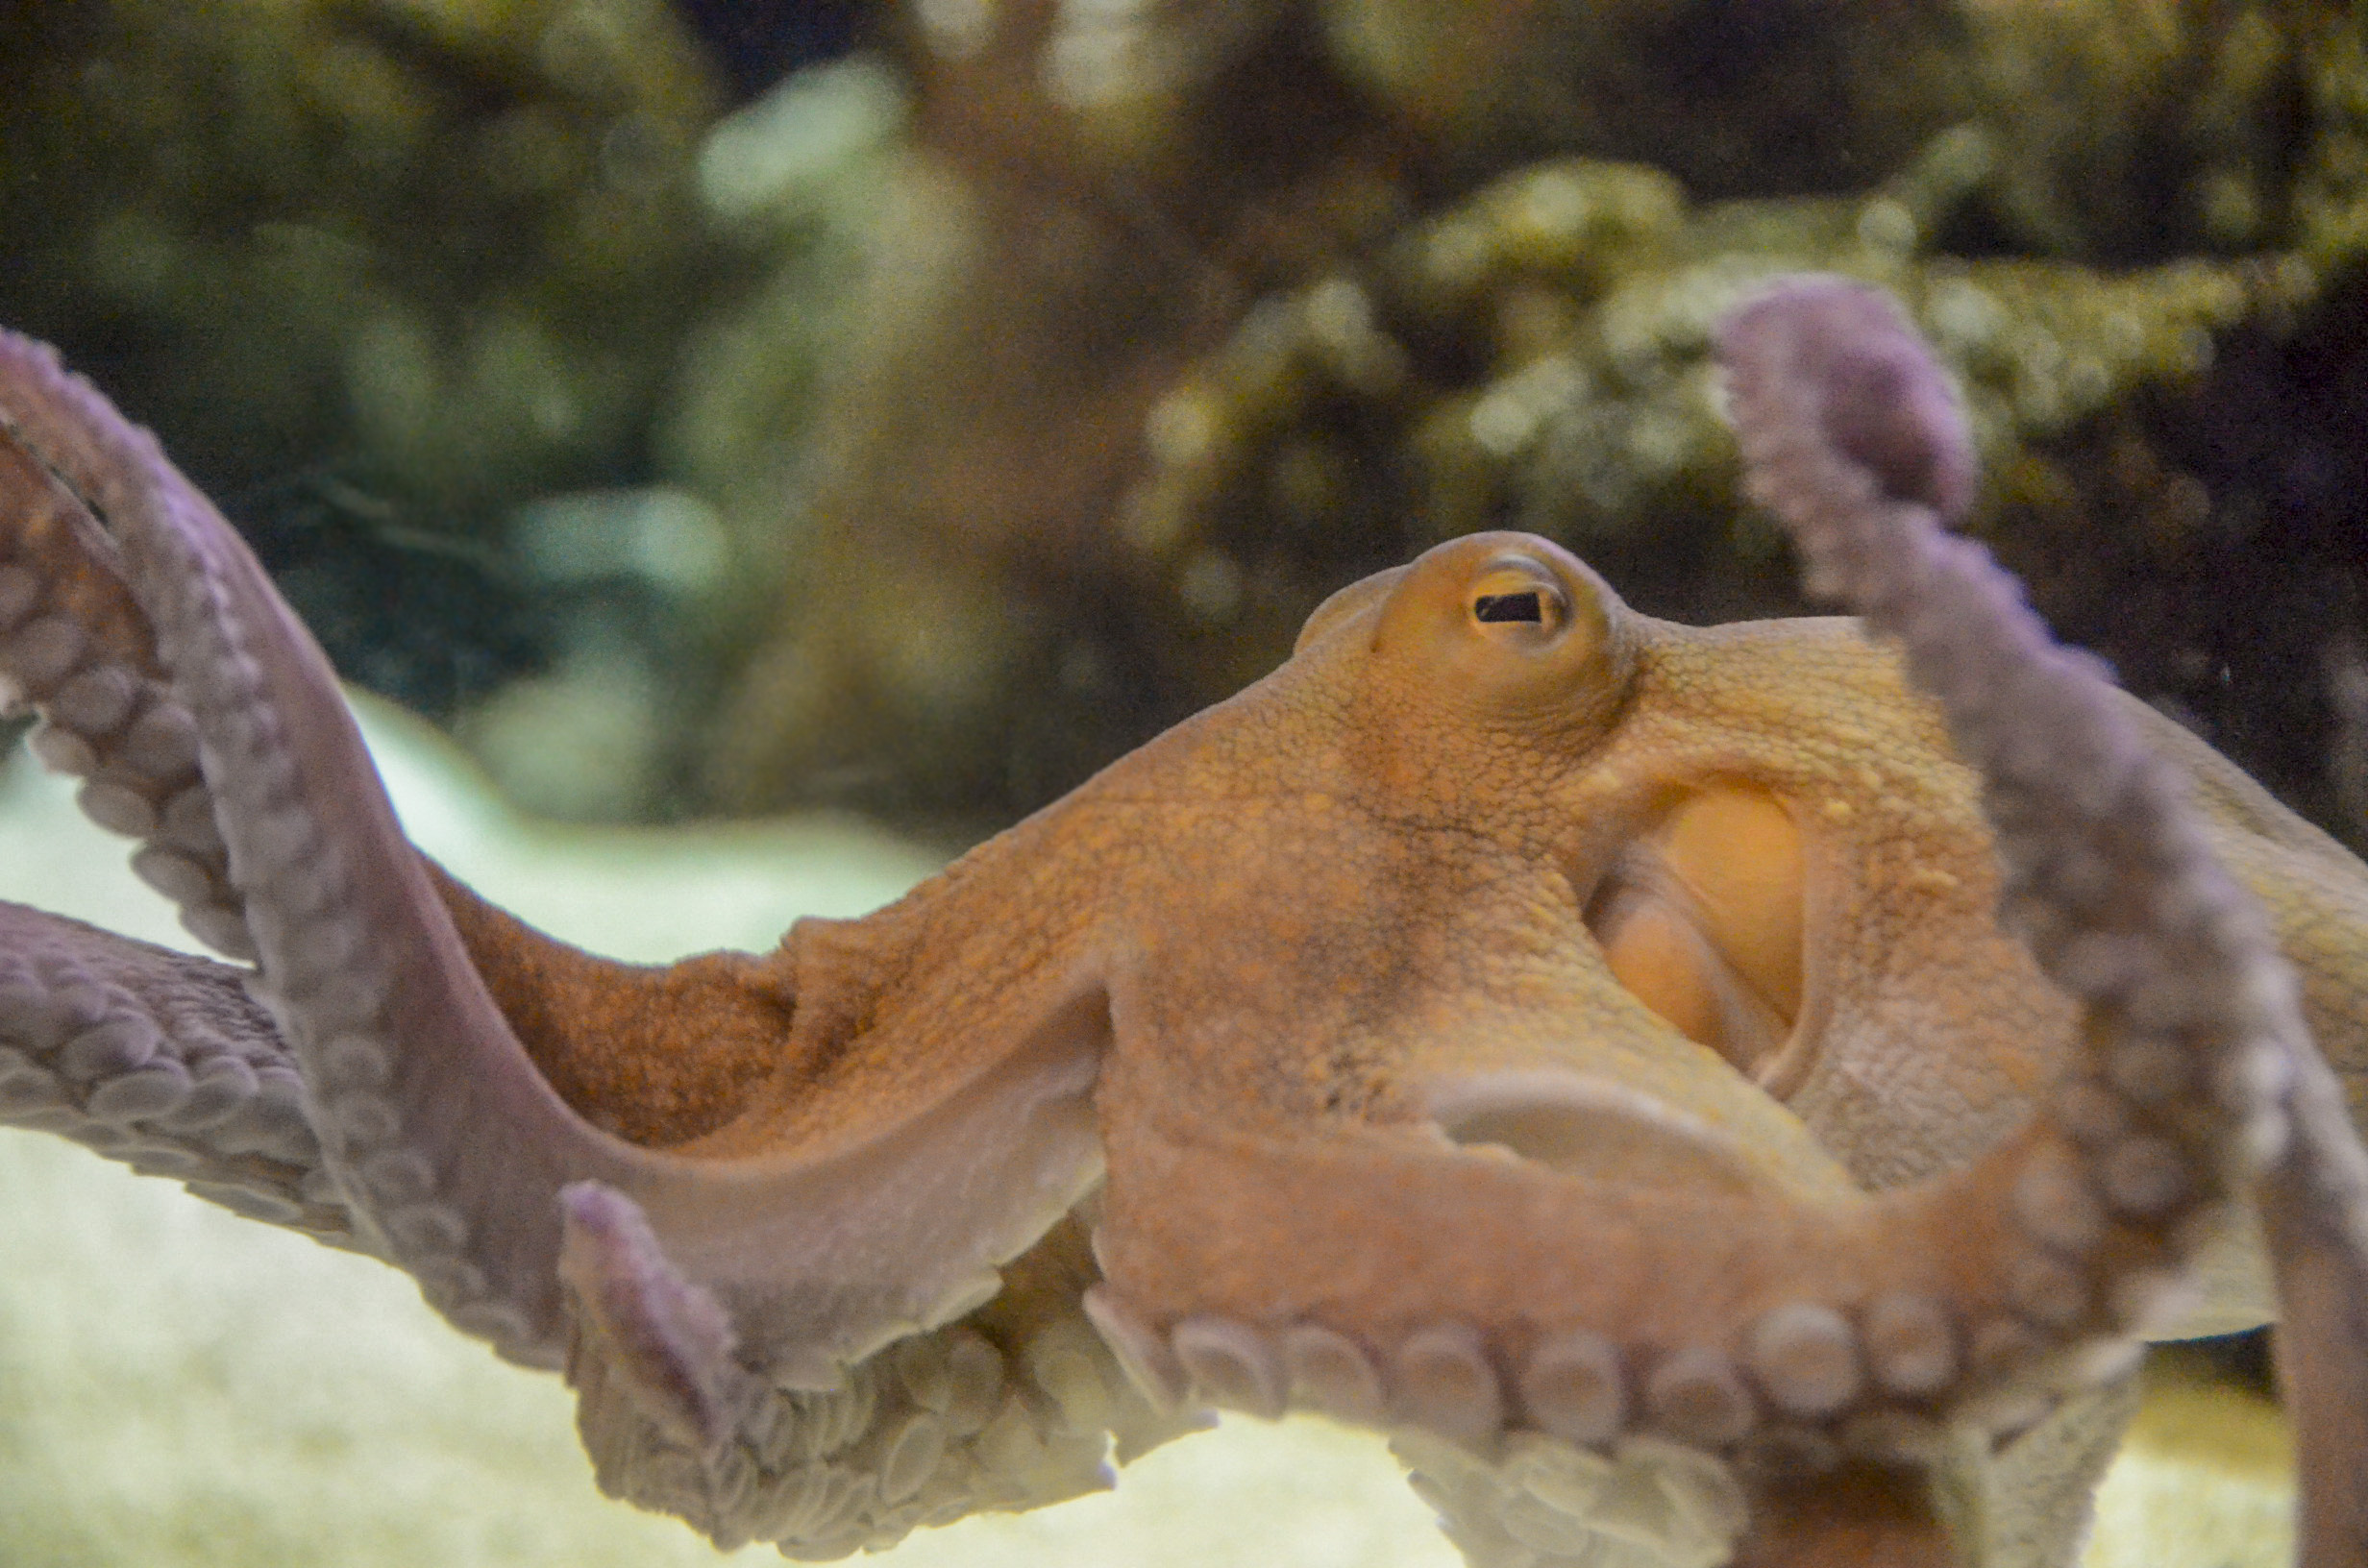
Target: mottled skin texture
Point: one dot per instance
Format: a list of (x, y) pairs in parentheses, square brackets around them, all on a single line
[(1579, 1045)]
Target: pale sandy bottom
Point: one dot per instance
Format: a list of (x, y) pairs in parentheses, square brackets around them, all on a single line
[(182, 1387)]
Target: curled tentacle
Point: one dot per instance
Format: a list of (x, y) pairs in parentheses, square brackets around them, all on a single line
[(1851, 436), (2202, 1079)]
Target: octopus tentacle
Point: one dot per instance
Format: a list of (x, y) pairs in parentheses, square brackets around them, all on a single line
[(1852, 437), (448, 1144), (163, 1062), (190, 578), (76, 647), (1736, 1321), (2203, 1073), (2314, 1211), (2192, 1020), (663, 1334), (1015, 1406)]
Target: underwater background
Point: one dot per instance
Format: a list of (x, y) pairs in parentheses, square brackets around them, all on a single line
[(707, 415)]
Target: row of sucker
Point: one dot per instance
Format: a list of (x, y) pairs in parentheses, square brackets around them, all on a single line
[(1580, 1448), (935, 1427), (76, 648), (160, 1060), (1575, 1444), (1569, 1448), (1803, 1385), (329, 986)]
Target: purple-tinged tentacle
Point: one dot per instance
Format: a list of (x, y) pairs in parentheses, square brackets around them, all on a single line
[(447, 1143), (2200, 1082), (345, 965), (76, 647), (666, 1338), (161, 1061)]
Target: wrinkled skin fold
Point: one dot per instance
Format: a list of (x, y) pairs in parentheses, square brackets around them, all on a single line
[(1706, 1101)]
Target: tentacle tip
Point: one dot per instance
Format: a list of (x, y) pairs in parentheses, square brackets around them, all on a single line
[(1868, 386), (668, 1338)]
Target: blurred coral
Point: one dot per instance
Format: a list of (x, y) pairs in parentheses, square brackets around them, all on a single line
[(379, 269), (1185, 313)]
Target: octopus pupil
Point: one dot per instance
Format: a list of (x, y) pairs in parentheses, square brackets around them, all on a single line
[(1507, 607)]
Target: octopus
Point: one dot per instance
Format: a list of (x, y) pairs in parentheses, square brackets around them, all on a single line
[(1741, 1094)]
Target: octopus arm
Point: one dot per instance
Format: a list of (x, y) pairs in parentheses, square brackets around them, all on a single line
[(2200, 1050), (163, 1061), (210, 728)]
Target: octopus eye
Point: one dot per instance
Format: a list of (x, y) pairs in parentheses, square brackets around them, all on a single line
[(1524, 606), (1516, 603)]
